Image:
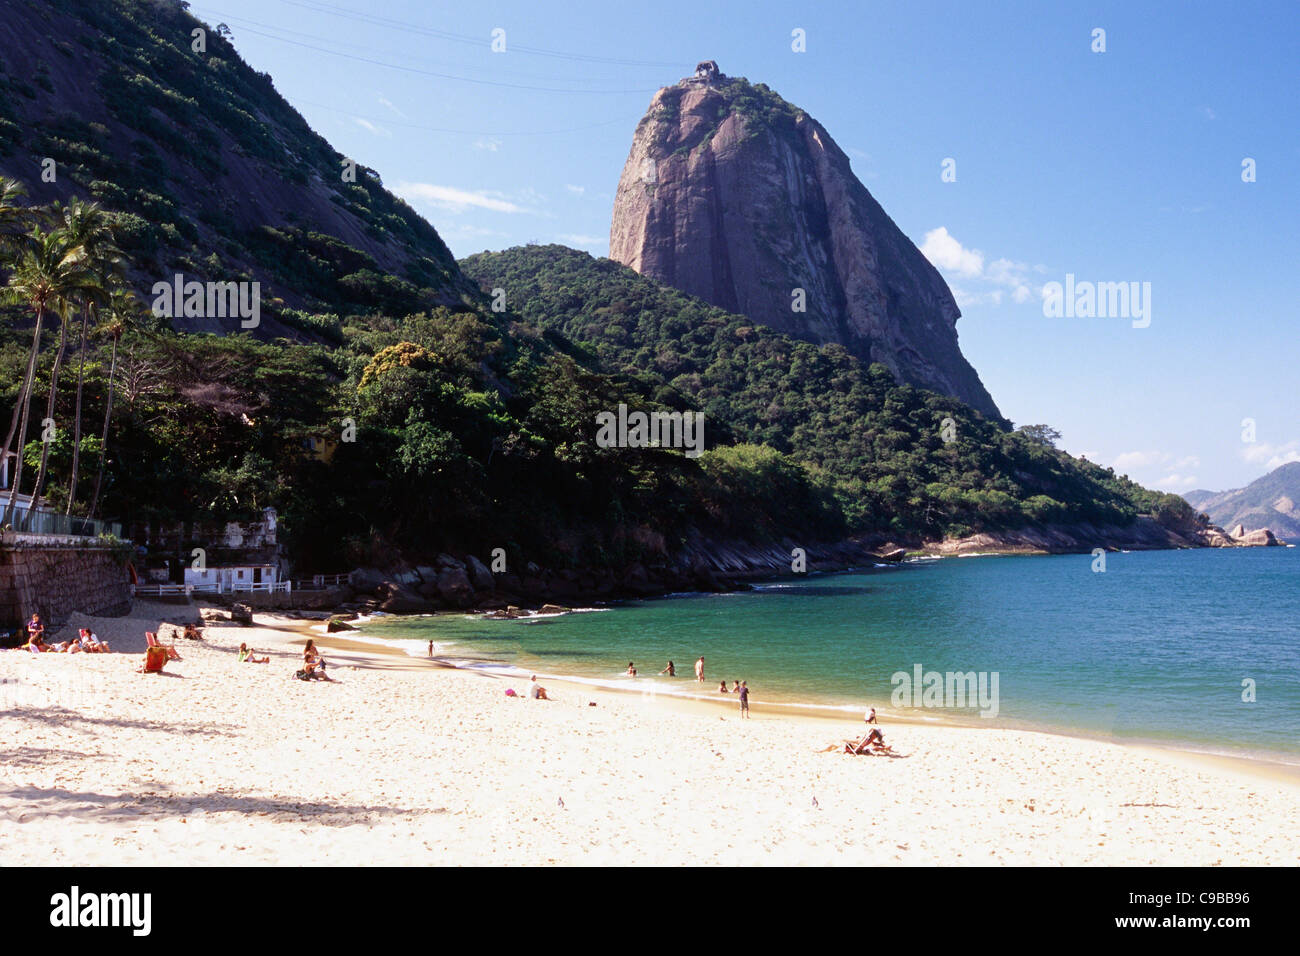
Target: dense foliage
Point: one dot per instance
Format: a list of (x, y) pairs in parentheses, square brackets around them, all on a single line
[(190, 139), (442, 430), (880, 445)]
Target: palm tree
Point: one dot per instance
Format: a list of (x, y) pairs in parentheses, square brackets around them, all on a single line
[(15, 220), (123, 307), (88, 225), (45, 277)]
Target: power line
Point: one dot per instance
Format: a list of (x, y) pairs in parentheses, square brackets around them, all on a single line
[(434, 73), (232, 18), (384, 121), (405, 26)]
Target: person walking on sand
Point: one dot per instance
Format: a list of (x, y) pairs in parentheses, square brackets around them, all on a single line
[(670, 670), (699, 669), (743, 691)]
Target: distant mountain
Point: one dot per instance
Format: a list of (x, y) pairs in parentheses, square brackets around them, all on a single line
[(733, 195), (1272, 502), (211, 172)]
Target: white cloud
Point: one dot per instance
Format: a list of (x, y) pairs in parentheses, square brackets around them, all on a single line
[(1208, 113), (1137, 459), (1176, 482), (384, 101), (580, 239), (993, 283), (576, 190), (457, 200), (948, 255), (371, 127), (491, 144), (1142, 466), (1271, 456)]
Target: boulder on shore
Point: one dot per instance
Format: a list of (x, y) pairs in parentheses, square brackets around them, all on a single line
[(479, 575), (400, 600), (241, 614), (336, 625), (454, 587), (1259, 538)]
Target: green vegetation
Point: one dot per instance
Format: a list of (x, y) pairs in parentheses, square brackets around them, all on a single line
[(449, 429), (879, 446), (184, 128)]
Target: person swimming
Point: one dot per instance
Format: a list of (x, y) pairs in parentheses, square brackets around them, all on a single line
[(722, 688)]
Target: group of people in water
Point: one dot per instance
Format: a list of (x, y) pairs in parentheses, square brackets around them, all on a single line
[(740, 688), (86, 641)]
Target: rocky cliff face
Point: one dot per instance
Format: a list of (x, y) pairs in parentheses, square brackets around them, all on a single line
[(731, 194)]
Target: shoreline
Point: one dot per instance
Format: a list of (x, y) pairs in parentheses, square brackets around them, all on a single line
[(1261, 767), (219, 763)]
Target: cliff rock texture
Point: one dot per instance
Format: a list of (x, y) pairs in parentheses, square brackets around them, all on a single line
[(731, 194)]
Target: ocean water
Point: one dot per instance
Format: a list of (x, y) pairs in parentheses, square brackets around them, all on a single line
[(1161, 647)]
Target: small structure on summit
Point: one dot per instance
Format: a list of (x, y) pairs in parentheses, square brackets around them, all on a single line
[(707, 70)]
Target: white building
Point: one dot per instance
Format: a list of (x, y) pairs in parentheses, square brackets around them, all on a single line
[(245, 577)]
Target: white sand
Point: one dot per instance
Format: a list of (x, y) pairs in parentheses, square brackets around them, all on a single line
[(219, 763)]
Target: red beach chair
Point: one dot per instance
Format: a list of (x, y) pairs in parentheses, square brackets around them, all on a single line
[(152, 640)]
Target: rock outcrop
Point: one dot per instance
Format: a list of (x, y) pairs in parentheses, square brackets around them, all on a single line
[(731, 194)]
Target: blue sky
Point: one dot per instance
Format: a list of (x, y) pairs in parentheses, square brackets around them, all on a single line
[(1115, 166)]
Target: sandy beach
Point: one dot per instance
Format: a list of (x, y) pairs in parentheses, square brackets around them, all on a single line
[(405, 762)]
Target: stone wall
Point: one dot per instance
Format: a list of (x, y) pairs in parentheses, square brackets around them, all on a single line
[(57, 577)]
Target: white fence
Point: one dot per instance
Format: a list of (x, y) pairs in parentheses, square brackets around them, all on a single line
[(283, 587), (319, 582)]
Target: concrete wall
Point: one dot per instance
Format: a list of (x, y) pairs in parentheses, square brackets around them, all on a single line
[(57, 576)]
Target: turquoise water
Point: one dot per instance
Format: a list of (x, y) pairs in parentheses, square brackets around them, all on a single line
[(1154, 649)]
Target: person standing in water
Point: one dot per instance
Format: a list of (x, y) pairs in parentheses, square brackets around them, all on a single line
[(631, 669), (699, 669), (743, 691), (670, 670)]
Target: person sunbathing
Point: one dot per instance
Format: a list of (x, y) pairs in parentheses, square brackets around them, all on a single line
[(875, 739), (313, 664), (35, 644), (536, 691), (192, 633), (246, 655)]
